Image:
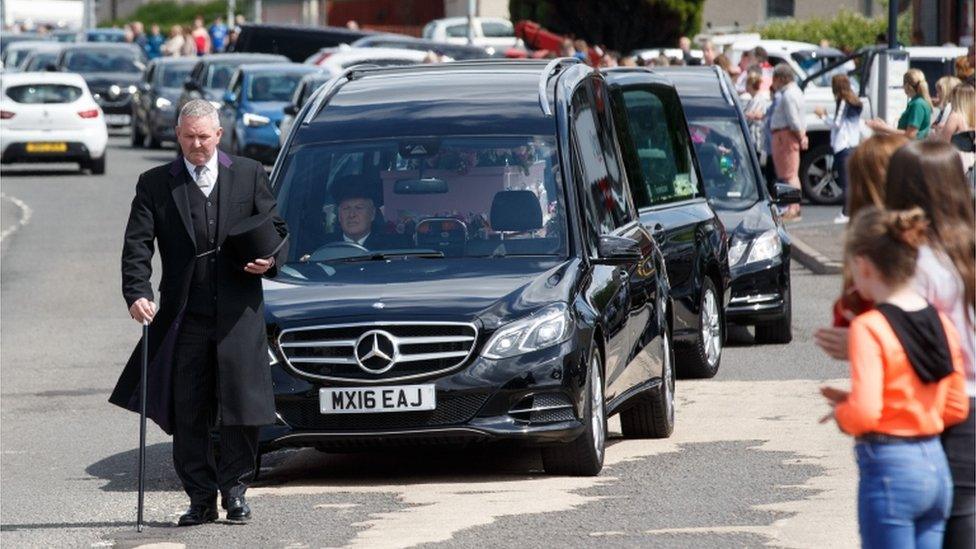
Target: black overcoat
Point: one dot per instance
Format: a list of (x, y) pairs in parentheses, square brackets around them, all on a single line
[(160, 215)]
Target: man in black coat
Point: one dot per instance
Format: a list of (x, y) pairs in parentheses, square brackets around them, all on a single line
[(354, 199), (208, 344)]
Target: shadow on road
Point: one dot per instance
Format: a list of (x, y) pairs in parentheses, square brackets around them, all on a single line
[(121, 470), (67, 525), (45, 172)]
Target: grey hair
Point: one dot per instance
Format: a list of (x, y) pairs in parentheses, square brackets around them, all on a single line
[(198, 108), (782, 70)]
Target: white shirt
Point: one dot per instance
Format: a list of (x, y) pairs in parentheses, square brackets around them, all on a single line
[(940, 284), (360, 241), (208, 177), (845, 132)]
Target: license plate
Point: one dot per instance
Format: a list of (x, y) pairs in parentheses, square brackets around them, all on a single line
[(369, 400), (47, 147), (117, 119)]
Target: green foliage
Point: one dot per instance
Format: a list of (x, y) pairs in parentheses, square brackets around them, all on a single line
[(167, 13), (845, 30), (621, 25)]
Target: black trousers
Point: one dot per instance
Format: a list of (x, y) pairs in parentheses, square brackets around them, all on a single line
[(195, 399), (959, 442)]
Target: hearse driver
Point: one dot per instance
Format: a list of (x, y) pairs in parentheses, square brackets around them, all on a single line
[(357, 211)]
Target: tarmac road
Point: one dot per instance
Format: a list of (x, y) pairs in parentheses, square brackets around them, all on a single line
[(748, 464)]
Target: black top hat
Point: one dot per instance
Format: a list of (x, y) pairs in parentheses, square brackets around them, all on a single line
[(253, 238), (355, 186)]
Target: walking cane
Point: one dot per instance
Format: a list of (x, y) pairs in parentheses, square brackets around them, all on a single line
[(142, 422)]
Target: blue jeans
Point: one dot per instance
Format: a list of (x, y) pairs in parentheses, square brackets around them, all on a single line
[(904, 495), (840, 166)]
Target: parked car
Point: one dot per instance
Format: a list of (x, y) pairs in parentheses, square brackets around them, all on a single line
[(210, 76), (459, 52), (42, 58), (669, 192), (8, 38), (494, 32), (507, 289), (303, 91), (51, 117), (114, 36), (154, 103), (254, 105), (65, 35), (16, 53), (296, 42), (112, 72), (380, 57), (759, 246)]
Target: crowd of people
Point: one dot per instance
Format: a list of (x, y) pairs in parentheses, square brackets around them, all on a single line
[(180, 41)]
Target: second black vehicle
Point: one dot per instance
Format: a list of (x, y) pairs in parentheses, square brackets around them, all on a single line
[(112, 72), (154, 104), (759, 248), (465, 264)]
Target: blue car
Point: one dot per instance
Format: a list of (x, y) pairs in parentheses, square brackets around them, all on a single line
[(254, 105)]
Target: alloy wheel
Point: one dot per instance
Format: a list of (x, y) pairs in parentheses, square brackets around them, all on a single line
[(711, 328), (822, 180), (597, 411)]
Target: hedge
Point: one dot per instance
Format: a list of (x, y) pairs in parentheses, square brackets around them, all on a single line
[(167, 13), (845, 30)]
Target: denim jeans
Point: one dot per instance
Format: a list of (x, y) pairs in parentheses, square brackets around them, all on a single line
[(904, 495)]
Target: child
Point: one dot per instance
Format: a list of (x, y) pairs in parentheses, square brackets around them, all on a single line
[(907, 385)]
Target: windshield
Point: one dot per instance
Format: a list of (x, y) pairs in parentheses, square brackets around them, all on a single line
[(429, 196), (218, 75), (272, 87), (16, 57), (102, 61), (724, 157), (39, 61), (172, 76)]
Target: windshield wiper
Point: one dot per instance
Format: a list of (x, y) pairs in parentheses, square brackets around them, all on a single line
[(381, 256)]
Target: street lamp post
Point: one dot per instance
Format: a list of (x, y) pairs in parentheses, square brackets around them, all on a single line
[(471, 10)]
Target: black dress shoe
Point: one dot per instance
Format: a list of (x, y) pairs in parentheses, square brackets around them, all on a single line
[(198, 513), (237, 509)]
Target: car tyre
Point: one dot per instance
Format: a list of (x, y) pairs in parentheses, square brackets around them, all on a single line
[(136, 137), (819, 178), (583, 457), (702, 358), (653, 416), (96, 165), (154, 142), (780, 330)]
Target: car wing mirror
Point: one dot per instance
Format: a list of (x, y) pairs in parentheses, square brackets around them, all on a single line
[(230, 97), (291, 110), (786, 194), (615, 250), (190, 85)]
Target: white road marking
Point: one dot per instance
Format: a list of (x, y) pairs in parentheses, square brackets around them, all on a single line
[(25, 215), (708, 411)]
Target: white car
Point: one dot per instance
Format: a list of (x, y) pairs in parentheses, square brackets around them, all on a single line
[(51, 117), (934, 61), (338, 61), (495, 32)]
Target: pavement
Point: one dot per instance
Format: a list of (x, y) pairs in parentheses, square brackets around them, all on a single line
[(818, 242), (748, 464)]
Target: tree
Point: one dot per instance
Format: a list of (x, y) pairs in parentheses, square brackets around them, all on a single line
[(621, 25)]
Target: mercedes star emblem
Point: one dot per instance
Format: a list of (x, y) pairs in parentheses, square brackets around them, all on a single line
[(376, 351)]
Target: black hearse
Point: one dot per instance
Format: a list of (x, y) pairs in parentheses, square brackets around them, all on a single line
[(505, 288), (759, 246)]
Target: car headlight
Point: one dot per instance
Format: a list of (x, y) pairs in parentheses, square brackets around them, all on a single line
[(766, 246), (272, 359), (163, 103), (543, 329), (216, 104), (133, 89), (114, 90), (254, 120)]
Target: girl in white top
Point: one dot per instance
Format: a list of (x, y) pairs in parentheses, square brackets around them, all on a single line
[(845, 131)]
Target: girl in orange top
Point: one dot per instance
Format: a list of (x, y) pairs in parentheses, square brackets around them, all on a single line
[(907, 385)]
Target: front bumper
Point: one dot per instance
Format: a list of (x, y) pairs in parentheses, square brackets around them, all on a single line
[(162, 124), (758, 292), (486, 400), (261, 143)]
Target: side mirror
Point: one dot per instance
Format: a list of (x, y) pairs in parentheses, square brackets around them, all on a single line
[(786, 194), (229, 97), (291, 110), (190, 85), (614, 250)]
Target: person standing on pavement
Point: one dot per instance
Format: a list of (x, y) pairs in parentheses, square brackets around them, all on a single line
[(789, 131), (943, 99), (173, 46), (201, 38), (757, 104), (207, 343), (845, 132), (907, 386), (928, 175), (154, 42), (218, 34), (916, 120)]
